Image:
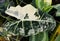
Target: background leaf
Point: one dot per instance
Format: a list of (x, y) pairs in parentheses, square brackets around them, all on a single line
[(42, 36), (58, 9), (57, 38), (44, 5)]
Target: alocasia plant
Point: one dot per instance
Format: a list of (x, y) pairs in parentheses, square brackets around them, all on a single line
[(30, 21), (29, 26)]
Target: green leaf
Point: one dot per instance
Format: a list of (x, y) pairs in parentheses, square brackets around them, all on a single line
[(49, 2), (57, 38), (45, 38), (42, 36), (44, 5), (58, 9), (39, 4)]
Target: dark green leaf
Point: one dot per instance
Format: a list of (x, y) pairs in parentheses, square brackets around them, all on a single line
[(58, 9)]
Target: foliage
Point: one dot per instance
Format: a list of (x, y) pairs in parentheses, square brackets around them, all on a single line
[(57, 38), (44, 5), (18, 27), (58, 9), (27, 28), (42, 36)]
